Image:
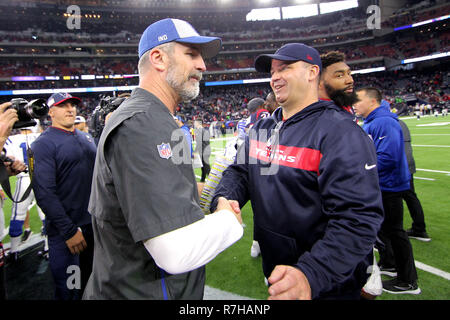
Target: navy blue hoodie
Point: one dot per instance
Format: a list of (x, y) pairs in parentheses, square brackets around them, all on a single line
[(322, 209), (386, 132)]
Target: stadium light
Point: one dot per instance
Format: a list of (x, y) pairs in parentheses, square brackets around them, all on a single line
[(306, 10), (264, 14), (421, 23), (369, 70), (328, 7), (424, 58), (69, 90)]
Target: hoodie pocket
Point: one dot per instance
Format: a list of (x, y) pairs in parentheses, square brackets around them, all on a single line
[(276, 249)]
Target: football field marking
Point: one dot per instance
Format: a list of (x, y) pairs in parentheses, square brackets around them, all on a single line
[(430, 146), (433, 270), (429, 170), (422, 178), (221, 139), (433, 124)]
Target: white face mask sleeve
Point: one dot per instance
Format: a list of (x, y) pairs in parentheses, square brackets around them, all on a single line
[(194, 245)]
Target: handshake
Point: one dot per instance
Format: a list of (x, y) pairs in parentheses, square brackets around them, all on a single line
[(285, 282), (230, 205)]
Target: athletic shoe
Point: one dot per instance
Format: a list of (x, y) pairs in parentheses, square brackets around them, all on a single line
[(388, 271), (255, 250), (26, 235), (422, 236), (396, 286)]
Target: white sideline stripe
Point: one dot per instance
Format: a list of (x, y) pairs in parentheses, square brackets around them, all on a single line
[(216, 294), (429, 170), (34, 238), (414, 117), (430, 269), (421, 178), (221, 139), (431, 146), (433, 270)]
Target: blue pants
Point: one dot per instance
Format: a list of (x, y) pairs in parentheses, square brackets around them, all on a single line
[(60, 259)]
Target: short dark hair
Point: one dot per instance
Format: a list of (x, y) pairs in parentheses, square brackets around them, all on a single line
[(255, 104), (372, 92), (331, 57)]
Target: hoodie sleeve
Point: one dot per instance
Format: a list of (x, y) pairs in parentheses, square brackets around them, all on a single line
[(388, 141), (45, 189), (351, 197), (234, 182)]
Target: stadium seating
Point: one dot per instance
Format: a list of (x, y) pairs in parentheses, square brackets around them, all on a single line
[(106, 44)]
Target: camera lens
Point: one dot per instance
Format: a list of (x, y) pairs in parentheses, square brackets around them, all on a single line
[(37, 108)]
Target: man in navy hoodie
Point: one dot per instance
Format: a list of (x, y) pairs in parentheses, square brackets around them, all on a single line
[(317, 206), (64, 163), (382, 125)]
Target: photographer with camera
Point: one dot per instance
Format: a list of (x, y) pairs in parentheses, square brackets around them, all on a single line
[(64, 162), (102, 113), (8, 117)]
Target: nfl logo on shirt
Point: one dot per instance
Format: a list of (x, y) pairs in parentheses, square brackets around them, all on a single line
[(164, 150)]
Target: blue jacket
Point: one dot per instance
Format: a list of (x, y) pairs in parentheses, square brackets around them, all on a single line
[(187, 134), (322, 209), (64, 163), (382, 125)]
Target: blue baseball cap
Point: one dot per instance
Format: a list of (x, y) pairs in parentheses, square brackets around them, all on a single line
[(60, 97), (168, 30), (289, 52)]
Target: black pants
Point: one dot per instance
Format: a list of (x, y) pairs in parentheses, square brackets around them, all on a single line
[(206, 168), (415, 209), (398, 250)]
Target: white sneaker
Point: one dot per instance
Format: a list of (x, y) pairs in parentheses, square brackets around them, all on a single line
[(255, 250)]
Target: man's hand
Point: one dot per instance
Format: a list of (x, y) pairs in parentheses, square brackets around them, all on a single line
[(200, 186), (288, 283), (14, 167), (76, 244), (230, 205), (7, 120)]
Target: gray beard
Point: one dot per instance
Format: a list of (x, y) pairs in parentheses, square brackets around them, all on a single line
[(181, 87)]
